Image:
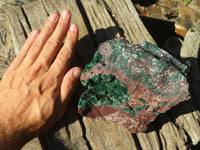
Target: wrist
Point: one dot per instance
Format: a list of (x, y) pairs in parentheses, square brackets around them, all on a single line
[(10, 139)]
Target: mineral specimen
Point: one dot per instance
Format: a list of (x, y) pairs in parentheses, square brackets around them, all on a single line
[(131, 84)]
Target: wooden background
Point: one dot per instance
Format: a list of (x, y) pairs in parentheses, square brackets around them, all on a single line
[(98, 20)]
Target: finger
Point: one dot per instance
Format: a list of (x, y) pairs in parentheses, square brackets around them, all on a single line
[(54, 43), (64, 57), (37, 46), (69, 83), (68, 86), (24, 50)]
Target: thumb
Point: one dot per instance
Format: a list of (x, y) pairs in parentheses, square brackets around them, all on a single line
[(69, 83)]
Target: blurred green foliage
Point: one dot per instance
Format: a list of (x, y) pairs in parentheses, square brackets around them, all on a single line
[(186, 2)]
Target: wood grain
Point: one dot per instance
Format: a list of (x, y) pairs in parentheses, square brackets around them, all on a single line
[(98, 20)]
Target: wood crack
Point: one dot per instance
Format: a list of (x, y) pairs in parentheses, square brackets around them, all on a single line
[(120, 30), (137, 142), (26, 18), (86, 21), (25, 33), (84, 132), (178, 129), (159, 140), (43, 5)]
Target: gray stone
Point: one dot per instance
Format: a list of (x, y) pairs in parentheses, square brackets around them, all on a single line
[(191, 44)]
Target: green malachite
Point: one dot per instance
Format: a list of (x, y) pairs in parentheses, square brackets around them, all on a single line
[(159, 81), (104, 90), (97, 58)]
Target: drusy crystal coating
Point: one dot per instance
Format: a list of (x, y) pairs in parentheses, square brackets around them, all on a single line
[(132, 84)]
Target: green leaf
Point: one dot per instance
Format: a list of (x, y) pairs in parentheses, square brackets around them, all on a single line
[(186, 2)]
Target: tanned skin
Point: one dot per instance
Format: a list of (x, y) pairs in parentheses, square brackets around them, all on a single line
[(37, 86)]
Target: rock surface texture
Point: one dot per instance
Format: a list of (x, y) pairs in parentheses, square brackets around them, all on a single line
[(132, 84), (191, 42)]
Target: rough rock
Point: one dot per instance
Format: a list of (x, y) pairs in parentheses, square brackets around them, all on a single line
[(160, 9), (194, 4), (132, 84), (188, 16), (191, 44)]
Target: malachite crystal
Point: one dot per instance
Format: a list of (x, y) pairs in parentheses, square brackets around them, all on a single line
[(131, 84)]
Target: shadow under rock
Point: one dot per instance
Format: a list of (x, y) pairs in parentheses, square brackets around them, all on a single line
[(55, 139), (84, 52), (169, 116), (109, 33), (159, 29), (87, 46), (185, 107), (194, 79)]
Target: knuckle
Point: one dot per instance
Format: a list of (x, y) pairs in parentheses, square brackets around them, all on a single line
[(28, 77), (48, 28), (68, 87), (53, 43), (31, 73), (36, 68), (21, 54), (37, 45), (64, 55), (69, 45), (63, 25)]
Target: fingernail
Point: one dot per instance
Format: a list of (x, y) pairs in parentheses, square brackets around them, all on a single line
[(65, 14), (77, 73), (73, 27), (53, 18)]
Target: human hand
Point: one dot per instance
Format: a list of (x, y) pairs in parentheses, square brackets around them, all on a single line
[(36, 87)]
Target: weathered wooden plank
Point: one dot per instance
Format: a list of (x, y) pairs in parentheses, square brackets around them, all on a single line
[(85, 47), (73, 138), (66, 134), (12, 38), (76, 133), (6, 57), (36, 14), (193, 4), (32, 145), (108, 136), (100, 20), (52, 6), (104, 28), (121, 13), (186, 118), (170, 136), (7, 53), (31, 16), (106, 19), (149, 141), (128, 19), (118, 16), (15, 37), (16, 30), (171, 141)]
